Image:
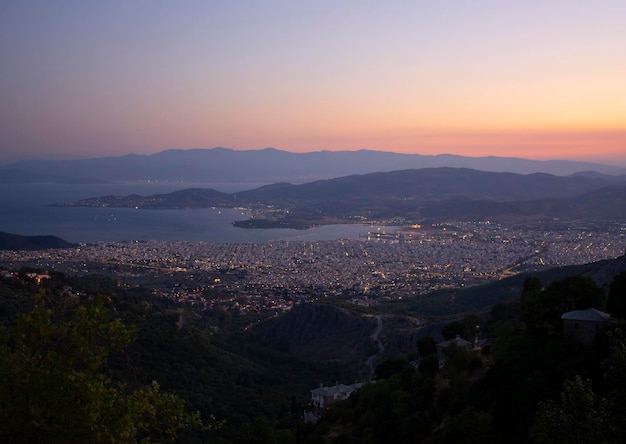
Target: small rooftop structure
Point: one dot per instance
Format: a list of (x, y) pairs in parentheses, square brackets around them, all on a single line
[(322, 396), (458, 341), (589, 315), (583, 325)]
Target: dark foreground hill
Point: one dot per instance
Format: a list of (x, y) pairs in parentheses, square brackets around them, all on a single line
[(259, 379), (508, 378), (335, 335), (199, 354), (16, 242)]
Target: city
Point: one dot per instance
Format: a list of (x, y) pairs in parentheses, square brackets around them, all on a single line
[(382, 266)]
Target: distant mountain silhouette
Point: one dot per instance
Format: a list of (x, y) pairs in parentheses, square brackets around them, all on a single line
[(270, 165), (606, 204), (16, 242), (425, 183), (426, 193)]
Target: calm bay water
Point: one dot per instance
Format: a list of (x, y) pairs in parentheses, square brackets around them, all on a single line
[(25, 210)]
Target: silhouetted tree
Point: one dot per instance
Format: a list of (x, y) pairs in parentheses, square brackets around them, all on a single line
[(580, 417), (470, 426), (574, 293), (616, 300), (258, 431), (452, 329), (55, 386), (615, 383), (426, 346), (390, 367), (532, 286), (542, 310), (502, 311)]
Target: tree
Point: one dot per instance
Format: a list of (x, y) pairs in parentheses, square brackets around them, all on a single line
[(258, 431), (470, 426), (542, 310), (55, 387), (530, 305), (390, 367), (574, 293), (453, 329), (426, 346), (581, 417), (532, 286), (615, 383), (616, 300)]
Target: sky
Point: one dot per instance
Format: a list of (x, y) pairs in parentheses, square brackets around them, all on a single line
[(533, 79)]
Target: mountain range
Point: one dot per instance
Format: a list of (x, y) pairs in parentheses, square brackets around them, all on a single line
[(268, 166), (437, 193)]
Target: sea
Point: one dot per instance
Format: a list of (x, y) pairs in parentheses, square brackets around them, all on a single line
[(28, 209)]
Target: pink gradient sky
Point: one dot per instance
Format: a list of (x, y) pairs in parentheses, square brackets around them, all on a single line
[(532, 79)]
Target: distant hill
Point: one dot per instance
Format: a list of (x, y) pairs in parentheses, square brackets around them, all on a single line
[(270, 165), (607, 204), (426, 183), (16, 242), (439, 193)]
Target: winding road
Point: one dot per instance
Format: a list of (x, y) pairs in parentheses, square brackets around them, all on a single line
[(381, 346)]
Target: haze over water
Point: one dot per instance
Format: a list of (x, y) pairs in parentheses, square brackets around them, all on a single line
[(26, 210)]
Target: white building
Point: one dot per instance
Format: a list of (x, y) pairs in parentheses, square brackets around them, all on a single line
[(322, 396)]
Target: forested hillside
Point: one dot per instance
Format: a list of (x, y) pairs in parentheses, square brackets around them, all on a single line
[(187, 350), (516, 378), (525, 383)]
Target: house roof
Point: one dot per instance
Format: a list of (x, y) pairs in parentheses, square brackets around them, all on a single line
[(458, 341), (589, 315), (332, 390)]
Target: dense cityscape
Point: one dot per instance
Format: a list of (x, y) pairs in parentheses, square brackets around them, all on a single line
[(381, 266)]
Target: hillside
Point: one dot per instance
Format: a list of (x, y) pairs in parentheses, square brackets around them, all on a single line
[(342, 337), (437, 193), (16, 242), (451, 302), (257, 371), (201, 355)]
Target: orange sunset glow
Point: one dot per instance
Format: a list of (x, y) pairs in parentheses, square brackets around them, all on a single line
[(514, 79)]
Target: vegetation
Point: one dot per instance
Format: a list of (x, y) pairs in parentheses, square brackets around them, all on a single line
[(451, 302), (616, 300), (191, 352), (582, 415), (130, 367), (529, 384), (56, 389)]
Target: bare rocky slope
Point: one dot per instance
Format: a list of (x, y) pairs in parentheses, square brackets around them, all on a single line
[(343, 338)]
